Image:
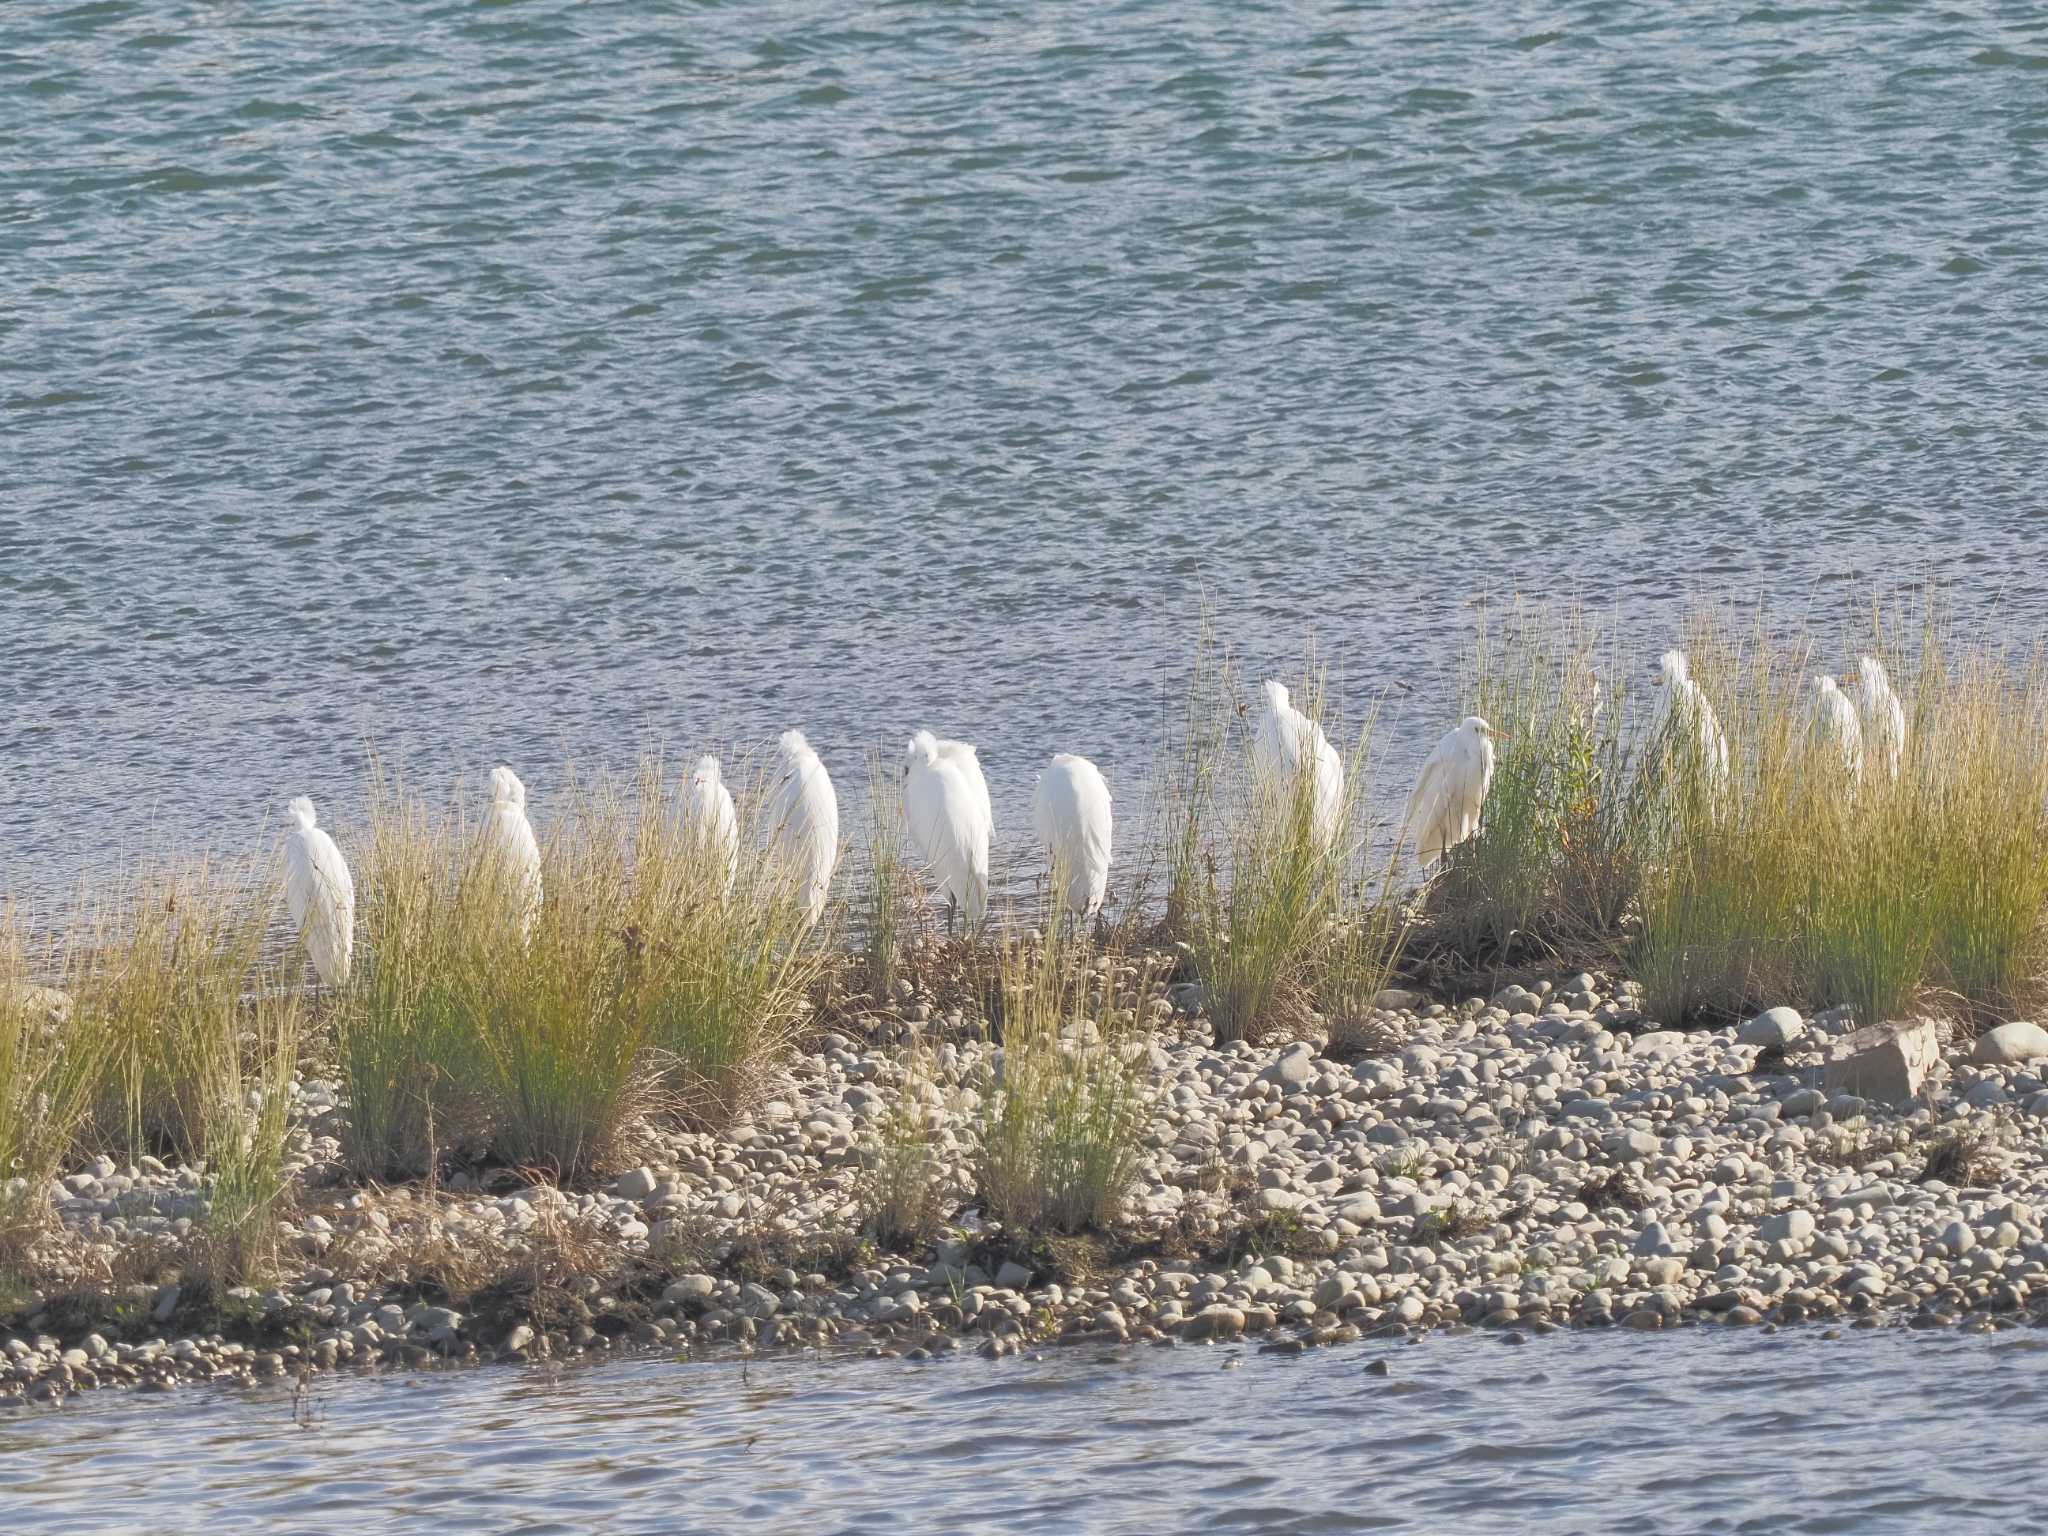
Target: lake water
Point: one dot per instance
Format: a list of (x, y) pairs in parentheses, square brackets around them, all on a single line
[(1698, 1431), (518, 381), (526, 380)]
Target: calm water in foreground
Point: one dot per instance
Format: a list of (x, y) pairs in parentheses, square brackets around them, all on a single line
[(501, 381), (1693, 1432)]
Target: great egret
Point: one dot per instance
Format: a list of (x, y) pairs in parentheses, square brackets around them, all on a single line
[(320, 894), (1444, 809), (1687, 711), (1884, 717), (1831, 724), (1072, 812), (805, 817), (709, 813), (1289, 743), (515, 855), (945, 800)]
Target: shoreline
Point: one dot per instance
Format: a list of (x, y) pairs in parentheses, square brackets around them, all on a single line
[(1542, 1160)]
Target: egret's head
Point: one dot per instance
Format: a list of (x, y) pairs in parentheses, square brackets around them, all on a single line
[(1672, 669), (1826, 686), (793, 744), (1870, 672), (506, 788), (1475, 726), (923, 748), (1276, 696), (706, 771), (300, 813)]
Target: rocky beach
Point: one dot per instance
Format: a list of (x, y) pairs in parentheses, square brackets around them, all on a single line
[(1544, 1159)]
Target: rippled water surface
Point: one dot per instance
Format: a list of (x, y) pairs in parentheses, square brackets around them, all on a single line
[(1694, 1432), (506, 380)]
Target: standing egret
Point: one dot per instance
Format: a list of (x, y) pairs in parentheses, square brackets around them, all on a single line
[(1289, 743), (714, 824), (945, 800), (1688, 712), (513, 852), (805, 817), (1072, 809), (1831, 723), (1444, 809), (320, 893), (1884, 717)]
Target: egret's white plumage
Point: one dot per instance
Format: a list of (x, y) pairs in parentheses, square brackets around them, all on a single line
[(1072, 812), (1688, 714), (708, 811), (1451, 791), (804, 815), (1289, 743), (509, 842), (945, 801), (320, 894), (1832, 726), (1884, 717)]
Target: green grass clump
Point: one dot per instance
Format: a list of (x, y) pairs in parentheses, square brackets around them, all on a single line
[(403, 1031), (51, 1070), (237, 1242), (902, 1193), (1261, 906), (1557, 857), (1061, 1134), (1984, 789), (166, 969), (642, 986)]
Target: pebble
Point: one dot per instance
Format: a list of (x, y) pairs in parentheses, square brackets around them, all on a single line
[(1518, 1165)]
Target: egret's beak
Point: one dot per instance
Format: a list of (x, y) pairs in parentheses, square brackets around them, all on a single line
[(1656, 679), (1494, 734), (1847, 682)]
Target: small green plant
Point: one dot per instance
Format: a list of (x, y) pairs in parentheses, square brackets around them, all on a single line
[(1260, 919), (902, 1191), (237, 1242), (1060, 1135)]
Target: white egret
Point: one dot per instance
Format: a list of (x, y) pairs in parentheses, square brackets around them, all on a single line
[(709, 814), (1884, 717), (320, 893), (1072, 811), (1288, 744), (1831, 724), (1444, 808), (514, 852), (804, 815), (1688, 712), (945, 800)]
